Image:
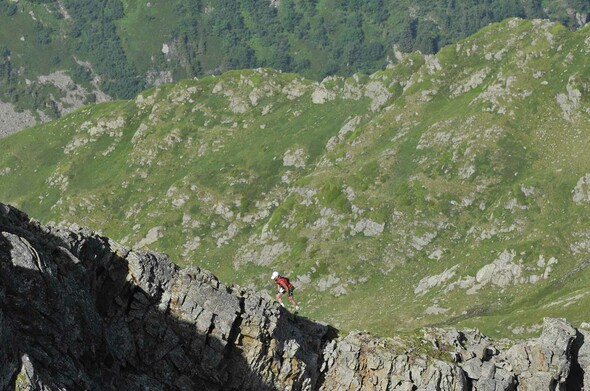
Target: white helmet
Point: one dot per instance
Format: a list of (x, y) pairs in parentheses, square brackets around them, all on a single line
[(274, 275)]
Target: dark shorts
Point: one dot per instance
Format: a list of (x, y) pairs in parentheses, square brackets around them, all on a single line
[(289, 292)]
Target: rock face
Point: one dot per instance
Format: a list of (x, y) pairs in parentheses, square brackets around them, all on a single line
[(78, 311)]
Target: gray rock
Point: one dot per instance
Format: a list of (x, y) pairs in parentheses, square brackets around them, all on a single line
[(579, 377), (473, 368), (545, 361)]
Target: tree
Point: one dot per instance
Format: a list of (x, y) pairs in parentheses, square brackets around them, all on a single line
[(533, 9), (406, 37), (427, 36)]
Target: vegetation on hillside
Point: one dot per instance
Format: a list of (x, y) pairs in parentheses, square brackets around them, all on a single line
[(447, 189), (130, 45)]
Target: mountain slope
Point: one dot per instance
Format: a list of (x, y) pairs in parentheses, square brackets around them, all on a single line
[(445, 189), (80, 311), (56, 55)]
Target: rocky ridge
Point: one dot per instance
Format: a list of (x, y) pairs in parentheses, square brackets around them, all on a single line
[(44, 74), (79, 311)]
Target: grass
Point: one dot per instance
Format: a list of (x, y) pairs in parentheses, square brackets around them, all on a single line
[(201, 169), (143, 21)]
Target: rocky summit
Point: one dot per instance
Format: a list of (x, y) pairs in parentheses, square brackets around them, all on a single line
[(79, 311)]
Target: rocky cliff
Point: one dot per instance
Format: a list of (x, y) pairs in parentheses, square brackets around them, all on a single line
[(79, 311)]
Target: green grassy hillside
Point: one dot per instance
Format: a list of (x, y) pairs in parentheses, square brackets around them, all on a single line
[(447, 189), (56, 55)]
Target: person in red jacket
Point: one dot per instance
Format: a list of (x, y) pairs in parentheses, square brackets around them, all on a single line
[(283, 285)]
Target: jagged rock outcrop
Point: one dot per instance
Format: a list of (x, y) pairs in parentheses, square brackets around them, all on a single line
[(78, 311)]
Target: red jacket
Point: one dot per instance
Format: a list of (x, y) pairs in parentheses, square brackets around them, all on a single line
[(284, 283)]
